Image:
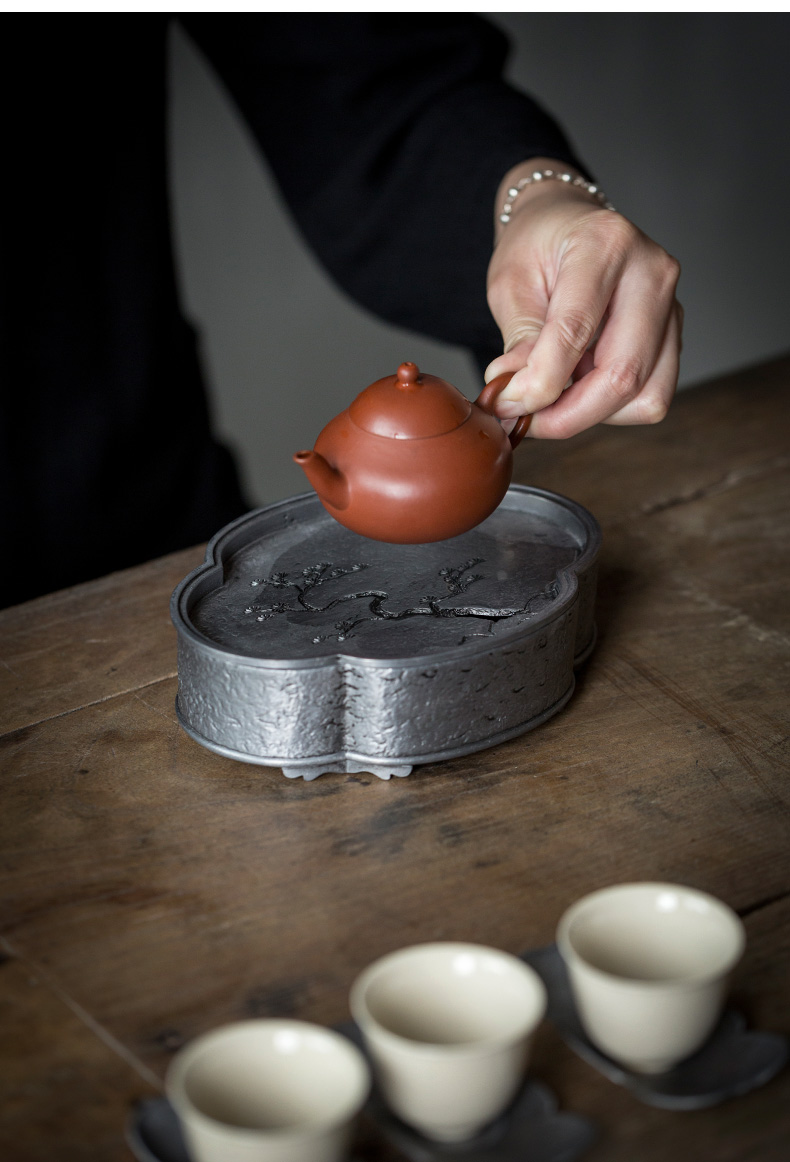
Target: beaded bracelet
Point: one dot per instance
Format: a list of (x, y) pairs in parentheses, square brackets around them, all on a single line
[(551, 174)]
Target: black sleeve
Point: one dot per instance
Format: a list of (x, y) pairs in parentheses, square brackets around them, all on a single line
[(388, 135)]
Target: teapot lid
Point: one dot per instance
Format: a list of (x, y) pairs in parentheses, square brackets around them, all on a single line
[(410, 405)]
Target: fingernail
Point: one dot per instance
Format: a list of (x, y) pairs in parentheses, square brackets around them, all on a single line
[(508, 409), (512, 391)]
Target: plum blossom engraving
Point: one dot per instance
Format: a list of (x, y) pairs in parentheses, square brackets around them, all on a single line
[(303, 588)]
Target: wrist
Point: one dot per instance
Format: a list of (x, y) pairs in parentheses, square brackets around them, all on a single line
[(541, 179)]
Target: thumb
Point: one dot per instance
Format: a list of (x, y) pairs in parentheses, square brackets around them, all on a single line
[(510, 403)]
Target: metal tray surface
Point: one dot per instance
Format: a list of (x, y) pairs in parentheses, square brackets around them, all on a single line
[(305, 646)]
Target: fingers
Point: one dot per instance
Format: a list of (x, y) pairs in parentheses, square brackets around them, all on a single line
[(589, 400), (586, 305), (584, 366), (609, 343), (526, 318), (514, 359), (652, 403), (592, 264)]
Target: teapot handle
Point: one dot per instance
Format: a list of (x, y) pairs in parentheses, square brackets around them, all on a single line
[(485, 401)]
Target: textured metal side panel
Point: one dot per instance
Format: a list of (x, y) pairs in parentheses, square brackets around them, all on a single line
[(292, 714), (383, 713), (396, 712)]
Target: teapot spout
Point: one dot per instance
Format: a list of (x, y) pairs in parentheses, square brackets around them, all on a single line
[(330, 483)]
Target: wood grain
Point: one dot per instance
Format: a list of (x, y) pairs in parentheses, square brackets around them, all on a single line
[(81, 645), (162, 889), (62, 1083)]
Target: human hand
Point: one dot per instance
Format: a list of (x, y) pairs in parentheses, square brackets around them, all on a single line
[(586, 306)]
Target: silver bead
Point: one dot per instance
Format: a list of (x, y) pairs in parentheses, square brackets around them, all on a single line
[(538, 176)]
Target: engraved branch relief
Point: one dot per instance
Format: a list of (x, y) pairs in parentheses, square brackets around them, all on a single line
[(302, 590)]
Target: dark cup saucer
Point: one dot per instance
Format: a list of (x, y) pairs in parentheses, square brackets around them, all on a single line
[(153, 1132), (732, 1062), (532, 1128)]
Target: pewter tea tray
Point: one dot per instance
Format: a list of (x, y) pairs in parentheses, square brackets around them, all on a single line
[(304, 646)]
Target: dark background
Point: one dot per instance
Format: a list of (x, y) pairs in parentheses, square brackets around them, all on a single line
[(682, 118)]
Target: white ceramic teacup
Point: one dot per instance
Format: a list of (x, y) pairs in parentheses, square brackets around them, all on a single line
[(268, 1091), (448, 1027), (648, 964)]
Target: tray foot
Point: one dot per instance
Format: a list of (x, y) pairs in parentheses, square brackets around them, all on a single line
[(348, 767)]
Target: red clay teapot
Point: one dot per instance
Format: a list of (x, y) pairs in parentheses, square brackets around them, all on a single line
[(412, 460)]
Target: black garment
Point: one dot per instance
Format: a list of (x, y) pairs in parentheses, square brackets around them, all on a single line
[(388, 136)]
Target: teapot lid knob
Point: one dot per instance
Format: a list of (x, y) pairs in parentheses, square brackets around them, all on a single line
[(407, 376), (409, 405)]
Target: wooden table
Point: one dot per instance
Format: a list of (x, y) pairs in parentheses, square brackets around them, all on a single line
[(152, 890)]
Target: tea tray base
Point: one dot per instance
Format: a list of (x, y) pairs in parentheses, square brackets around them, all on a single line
[(358, 764), (304, 646)]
